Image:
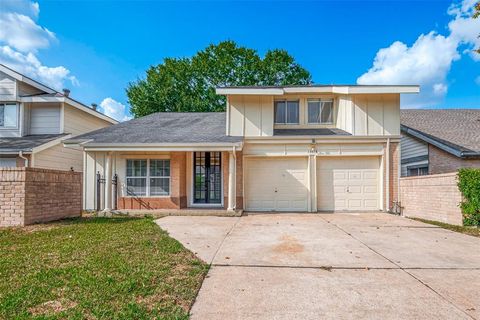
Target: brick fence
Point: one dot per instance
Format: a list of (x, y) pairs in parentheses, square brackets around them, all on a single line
[(433, 197), (31, 195)]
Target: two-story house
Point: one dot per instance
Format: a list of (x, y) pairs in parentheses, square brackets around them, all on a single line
[(35, 119), (293, 148)]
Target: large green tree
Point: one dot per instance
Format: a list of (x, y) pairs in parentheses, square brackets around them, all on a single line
[(188, 84)]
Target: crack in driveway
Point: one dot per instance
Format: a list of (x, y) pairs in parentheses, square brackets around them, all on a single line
[(406, 270)]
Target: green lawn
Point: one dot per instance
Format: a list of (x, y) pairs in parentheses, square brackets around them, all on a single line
[(472, 231), (96, 268)]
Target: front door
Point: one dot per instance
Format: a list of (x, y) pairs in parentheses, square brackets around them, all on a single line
[(207, 174)]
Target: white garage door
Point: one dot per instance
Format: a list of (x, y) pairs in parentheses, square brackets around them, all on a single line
[(276, 184), (348, 183)]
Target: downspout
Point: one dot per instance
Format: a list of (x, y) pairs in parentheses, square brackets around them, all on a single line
[(234, 149), (20, 154), (387, 178)]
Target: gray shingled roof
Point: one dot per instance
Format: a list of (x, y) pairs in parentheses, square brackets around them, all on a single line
[(164, 127), (456, 128), (26, 143), (310, 132)]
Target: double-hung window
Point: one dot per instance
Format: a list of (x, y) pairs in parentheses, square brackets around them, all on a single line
[(286, 112), (8, 115), (148, 177), (320, 111)]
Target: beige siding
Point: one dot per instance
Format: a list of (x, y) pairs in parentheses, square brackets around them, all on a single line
[(343, 113), (412, 147), (376, 115), (251, 115), (8, 91), (27, 90), (391, 118), (363, 115), (77, 122), (60, 158), (323, 149)]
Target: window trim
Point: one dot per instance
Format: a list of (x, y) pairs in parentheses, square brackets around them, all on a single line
[(17, 111), (417, 168), (147, 177), (286, 114), (320, 111)]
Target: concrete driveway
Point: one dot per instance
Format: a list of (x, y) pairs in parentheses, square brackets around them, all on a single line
[(337, 266)]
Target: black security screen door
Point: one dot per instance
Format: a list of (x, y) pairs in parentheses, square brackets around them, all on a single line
[(208, 177)]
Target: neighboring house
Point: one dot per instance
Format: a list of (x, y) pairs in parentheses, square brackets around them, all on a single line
[(294, 148), (34, 119), (439, 141)]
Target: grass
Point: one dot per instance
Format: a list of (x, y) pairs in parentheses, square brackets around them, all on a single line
[(97, 268), (472, 231)]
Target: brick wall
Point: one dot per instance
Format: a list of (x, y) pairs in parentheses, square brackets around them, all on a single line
[(32, 195), (440, 161), (393, 176), (433, 197), (178, 189)]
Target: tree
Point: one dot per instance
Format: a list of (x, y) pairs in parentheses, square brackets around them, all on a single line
[(476, 14), (188, 84)]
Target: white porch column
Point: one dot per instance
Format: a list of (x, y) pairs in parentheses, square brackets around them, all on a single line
[(108, 182), (232, 199)]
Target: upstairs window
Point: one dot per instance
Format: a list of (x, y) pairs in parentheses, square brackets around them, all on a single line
[(286, 112), (8, 115), (320, 111)]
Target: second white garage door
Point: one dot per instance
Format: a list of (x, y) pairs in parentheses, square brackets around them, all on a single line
[(348, 183), (276, 184)]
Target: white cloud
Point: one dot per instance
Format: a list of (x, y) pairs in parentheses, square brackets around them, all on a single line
[(25, 7), (20, 39), (28, 64), (428, 61), (114, 109), (22, 33)]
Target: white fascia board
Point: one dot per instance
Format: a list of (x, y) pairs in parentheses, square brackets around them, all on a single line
[(83, 107), (50, 144), (250, 91), (383, 89), (19, 77), (166, 148), (320, 89), (72, 103)]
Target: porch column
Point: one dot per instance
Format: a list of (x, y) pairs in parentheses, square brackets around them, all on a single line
[(108, 182), (232, 199)]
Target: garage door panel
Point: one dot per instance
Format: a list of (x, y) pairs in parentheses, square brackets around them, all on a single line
[(348, 183), (370, 189), (276, 184)]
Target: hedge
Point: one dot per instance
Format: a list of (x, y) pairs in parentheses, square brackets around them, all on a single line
[(469, 186)]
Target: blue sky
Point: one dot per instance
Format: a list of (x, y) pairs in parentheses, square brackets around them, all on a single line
[(96, 47)]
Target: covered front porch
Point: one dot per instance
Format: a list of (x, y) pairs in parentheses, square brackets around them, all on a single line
[(174, 182)]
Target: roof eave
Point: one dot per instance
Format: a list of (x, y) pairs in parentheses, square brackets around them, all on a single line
[(439, 143)]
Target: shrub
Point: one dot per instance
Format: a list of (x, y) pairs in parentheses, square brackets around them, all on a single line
[(469, 186)]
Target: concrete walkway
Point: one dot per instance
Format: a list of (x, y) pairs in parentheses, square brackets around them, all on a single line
[(334, 266)]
